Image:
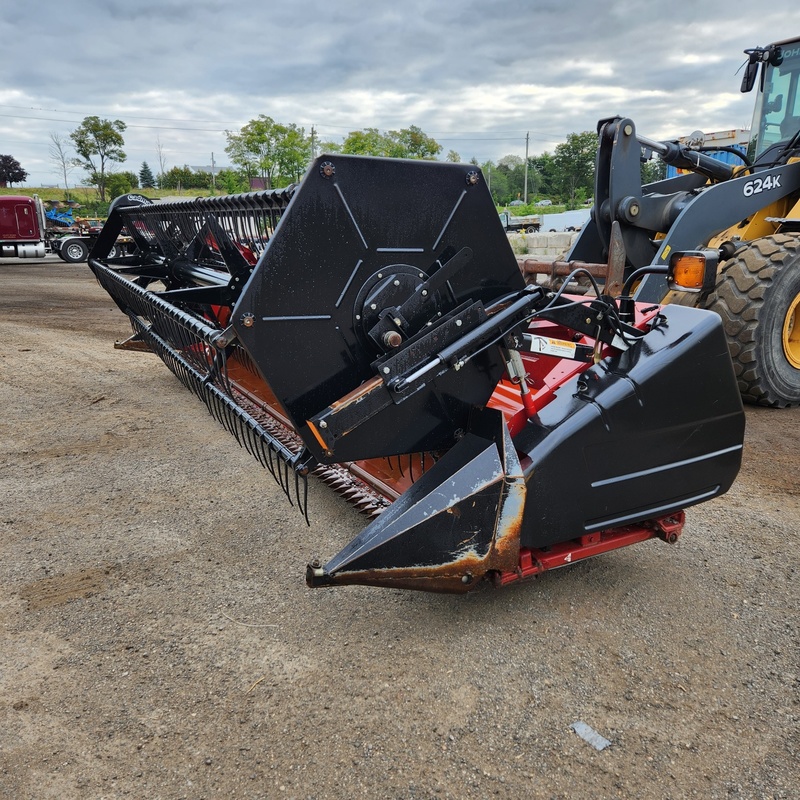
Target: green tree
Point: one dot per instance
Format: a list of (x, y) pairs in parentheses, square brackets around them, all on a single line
[(177, 178), (146, 177), (512, 168), (543, 167), (653, 170), (330, 147), (99, 143), (574, 163), (201, 179), (11, 171), (366, 142), (414, 143), (406, 143), (293, 153), (453, 157), (497, 181), (263, 148), (118, 183), (232, 181)]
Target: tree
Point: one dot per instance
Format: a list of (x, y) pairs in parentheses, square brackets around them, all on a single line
[(177, 178), (406, 143), (254, 148), (497, 181), (146, 179), (11, 171), (512, 169), (544, 170), (162, 161), (119, 183), (232, 182), (99, 143), (61, 158), (653, 170), (453, 157), (574, 162), (330, 147), (366, 142), (414, 143), (293, 150)]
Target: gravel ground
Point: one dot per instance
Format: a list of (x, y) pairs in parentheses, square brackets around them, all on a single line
[(158, 640)]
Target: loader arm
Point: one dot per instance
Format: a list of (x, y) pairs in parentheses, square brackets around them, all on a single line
[(742, 220), (717, 208)]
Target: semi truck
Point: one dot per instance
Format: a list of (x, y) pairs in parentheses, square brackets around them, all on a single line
[(25, 233)]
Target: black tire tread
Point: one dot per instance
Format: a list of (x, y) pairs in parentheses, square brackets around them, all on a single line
[(738, 298)]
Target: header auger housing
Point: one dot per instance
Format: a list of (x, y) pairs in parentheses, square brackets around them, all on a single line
[(371, 326)]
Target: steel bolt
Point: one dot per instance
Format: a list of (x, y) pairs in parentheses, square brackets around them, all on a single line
[(326, 169), (392, 339), (634, 209), (397, 283), (323, 424), (373, 306), (628, 130), (459, 323), (472, 178), (424, 292), (386, 370), (248, 320)]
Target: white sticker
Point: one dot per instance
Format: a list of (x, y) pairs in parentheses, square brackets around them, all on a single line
[(552, 347)]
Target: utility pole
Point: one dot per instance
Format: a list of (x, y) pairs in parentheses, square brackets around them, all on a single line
[(313, 143), (527, 139), (213, 178)]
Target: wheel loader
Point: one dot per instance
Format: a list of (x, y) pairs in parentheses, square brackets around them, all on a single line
[(741, 220), (371, 327)]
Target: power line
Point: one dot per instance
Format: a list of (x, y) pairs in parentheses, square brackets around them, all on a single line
[(148, 127), (460, 135)]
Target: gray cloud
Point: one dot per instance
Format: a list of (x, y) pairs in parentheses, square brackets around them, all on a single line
[(476, 74)]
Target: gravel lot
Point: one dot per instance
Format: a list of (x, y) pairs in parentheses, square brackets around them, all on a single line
[(158, 640)]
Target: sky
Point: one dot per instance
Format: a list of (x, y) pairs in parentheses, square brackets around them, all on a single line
[(479, 76)]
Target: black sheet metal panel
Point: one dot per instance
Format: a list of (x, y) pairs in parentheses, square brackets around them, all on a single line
[(305, 314), (649, 432), (460, 520)]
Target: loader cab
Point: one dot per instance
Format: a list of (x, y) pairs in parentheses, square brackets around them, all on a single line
[(776, 118)]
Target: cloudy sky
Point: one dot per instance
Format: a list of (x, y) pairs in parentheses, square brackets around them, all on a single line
[(477, 75)]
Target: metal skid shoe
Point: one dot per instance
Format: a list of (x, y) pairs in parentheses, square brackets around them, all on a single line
[(371, 326), (458, 522)]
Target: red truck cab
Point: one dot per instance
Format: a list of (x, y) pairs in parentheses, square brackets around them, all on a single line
[(21, 228)]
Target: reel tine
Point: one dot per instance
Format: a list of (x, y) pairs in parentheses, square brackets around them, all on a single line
[(302, 504)]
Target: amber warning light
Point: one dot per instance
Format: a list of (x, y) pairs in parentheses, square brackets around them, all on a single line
[(693, 271)]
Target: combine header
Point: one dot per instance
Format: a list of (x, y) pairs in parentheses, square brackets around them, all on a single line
[(371, 326)]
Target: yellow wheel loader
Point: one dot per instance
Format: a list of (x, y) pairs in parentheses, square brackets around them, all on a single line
[(741, 222)]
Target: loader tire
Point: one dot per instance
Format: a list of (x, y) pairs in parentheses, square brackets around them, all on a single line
[(758, 297), (74, 251)]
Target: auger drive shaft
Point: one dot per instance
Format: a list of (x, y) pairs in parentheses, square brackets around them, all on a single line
[(371, 326)]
